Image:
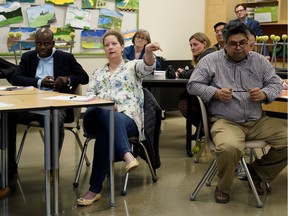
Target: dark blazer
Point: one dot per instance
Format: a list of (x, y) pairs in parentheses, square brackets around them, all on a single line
[(65, 64), (252, 24)]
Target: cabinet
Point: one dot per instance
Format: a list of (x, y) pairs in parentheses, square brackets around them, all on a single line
[(282, 9), (218, 11), (223, 10)]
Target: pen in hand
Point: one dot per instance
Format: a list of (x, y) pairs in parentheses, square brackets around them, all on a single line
[(239, 91)]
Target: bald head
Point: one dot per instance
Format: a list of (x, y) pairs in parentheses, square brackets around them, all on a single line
[(44, 42), (44, 32)]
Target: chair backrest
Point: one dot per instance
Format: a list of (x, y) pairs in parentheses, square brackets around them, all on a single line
[(76, 111), (152, 124), (205, 121)]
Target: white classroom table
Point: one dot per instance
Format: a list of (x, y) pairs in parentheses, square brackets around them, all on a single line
[(36, 101)]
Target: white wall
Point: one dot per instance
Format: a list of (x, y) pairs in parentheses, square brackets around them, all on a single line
[(171, 23)]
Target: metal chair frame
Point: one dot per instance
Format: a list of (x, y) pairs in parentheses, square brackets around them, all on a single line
[(133, 141), (212, 170), (73, 127)]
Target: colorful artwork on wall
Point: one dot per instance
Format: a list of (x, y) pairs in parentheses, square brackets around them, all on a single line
[(92, 39), (92, 4), (60, 2), (127, 4), (21, 1), (78, 18), (10, 13), (27, 38), (41, 15), (62, 37), (110, 19)]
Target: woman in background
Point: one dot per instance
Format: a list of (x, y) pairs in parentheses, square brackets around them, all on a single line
[(136, 51), (121, 81), (200, 46)]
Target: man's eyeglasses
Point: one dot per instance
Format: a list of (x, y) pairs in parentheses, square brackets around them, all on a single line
[(239, 11), (234, 44)]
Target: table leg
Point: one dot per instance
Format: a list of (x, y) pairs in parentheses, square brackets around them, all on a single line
[(4, 141), (111, 156), (47, 158), (55, 158)]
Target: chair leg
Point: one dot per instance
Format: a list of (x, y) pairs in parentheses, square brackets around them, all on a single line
[(153, 172), (22, 144), (211, 176), (259, 204), (76, 180), (198, 138), (207, 174), (253, 153), (80, 145), (124, 190)]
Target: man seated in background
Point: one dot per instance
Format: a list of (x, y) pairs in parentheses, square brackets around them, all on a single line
[(218, 27), (47, 69), (234, 83), (242, 17)]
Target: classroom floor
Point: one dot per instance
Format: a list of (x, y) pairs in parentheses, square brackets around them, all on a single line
[(170, 195)]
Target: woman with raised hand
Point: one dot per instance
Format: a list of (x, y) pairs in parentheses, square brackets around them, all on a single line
[(121, 81)]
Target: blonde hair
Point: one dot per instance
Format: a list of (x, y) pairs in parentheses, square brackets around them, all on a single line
[(202, 38)]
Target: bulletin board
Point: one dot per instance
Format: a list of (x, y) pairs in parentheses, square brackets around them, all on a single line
[(129, 24)]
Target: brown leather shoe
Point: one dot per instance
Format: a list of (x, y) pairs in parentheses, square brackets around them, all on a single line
[(4, 192), (256, 180), (221, 197)]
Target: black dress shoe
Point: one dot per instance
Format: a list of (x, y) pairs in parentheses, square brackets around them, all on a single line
[(256, 180), (221, 197)]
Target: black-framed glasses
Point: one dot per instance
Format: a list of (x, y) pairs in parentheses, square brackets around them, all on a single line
[(241, 10), (234, 44)]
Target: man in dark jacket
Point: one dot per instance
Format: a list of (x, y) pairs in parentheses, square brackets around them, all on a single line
[(241, 13), (218, 27), (47, 69)]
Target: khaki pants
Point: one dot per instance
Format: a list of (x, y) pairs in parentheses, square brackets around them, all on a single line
[(229, 139)]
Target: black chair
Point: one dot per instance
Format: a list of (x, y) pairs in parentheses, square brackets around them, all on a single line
[(146, 149)]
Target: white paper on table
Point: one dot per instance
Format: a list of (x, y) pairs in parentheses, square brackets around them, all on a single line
[(159, 72), (6, 104), (72, 98)]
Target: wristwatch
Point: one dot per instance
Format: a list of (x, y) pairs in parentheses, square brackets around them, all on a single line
[(68, 82)]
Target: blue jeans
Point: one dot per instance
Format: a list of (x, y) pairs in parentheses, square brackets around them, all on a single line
[(96, 122)]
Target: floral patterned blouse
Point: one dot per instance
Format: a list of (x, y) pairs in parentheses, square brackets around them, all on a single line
[(124, 87)]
